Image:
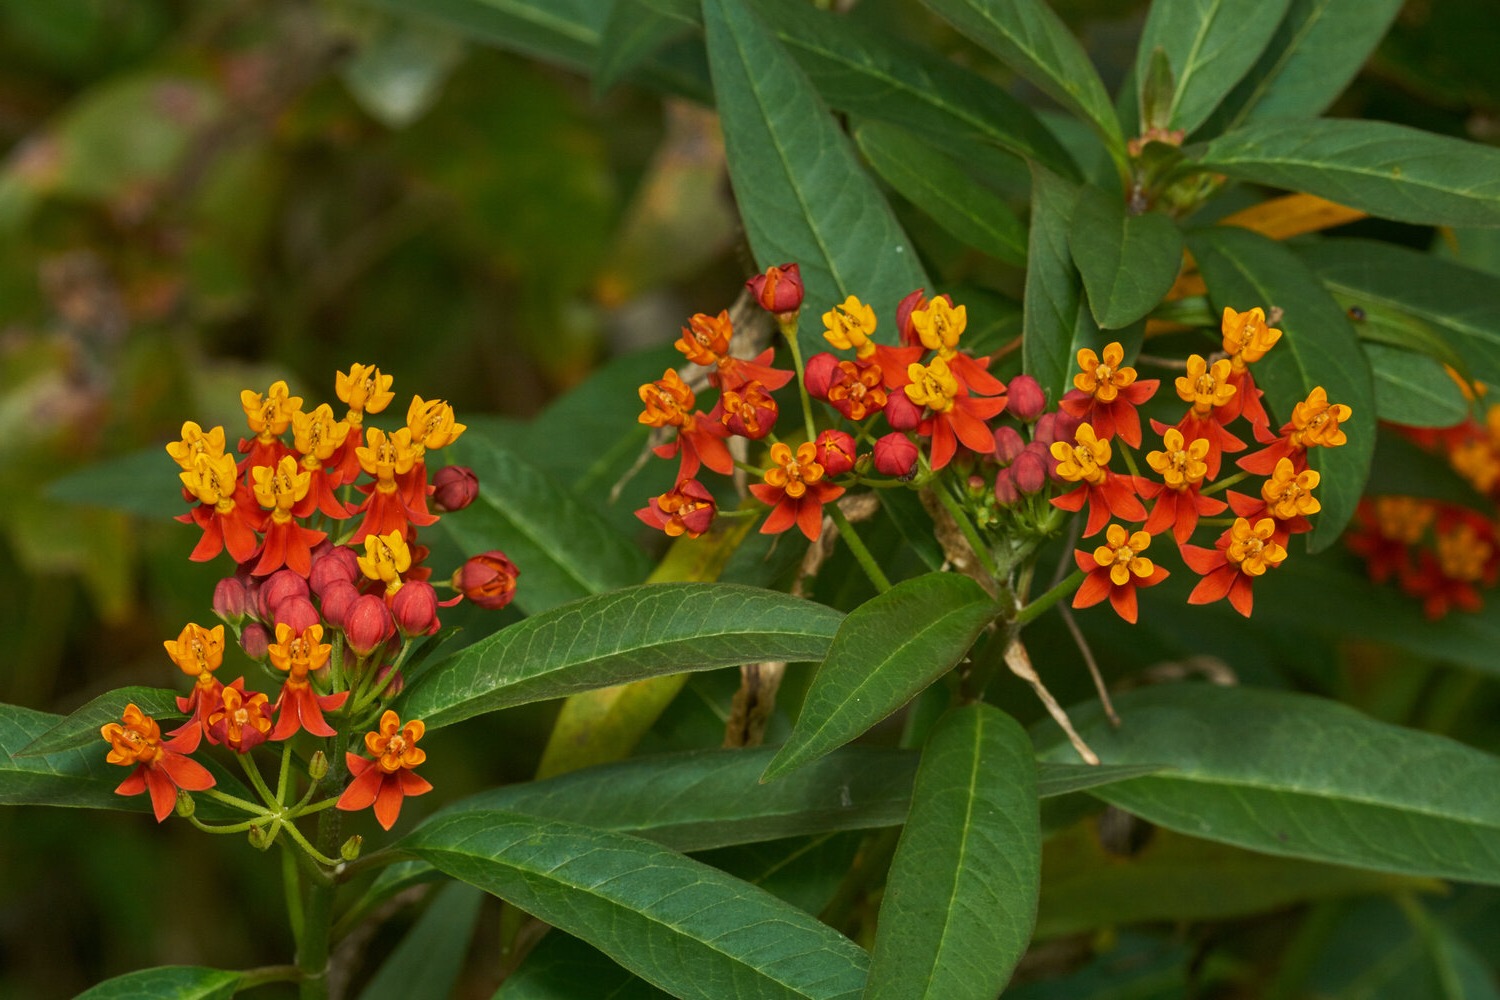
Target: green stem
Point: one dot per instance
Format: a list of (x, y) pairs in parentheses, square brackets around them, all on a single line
[(236, 801), (1223, 484), (313, 943), (961, 518), (227, 828), (807, 412), (857, 547), (292, 886), (251, 978), (1051, 597), (312, 852), (363, 702), (259, 782), (285, 773)]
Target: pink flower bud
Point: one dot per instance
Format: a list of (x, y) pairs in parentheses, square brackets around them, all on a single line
[(1027, 400), (1055, 426), (1008, 444), (279, 586), (336, 563), (904, 328), (296, 611), (818, 373), (1005, 488), (255, 640), (488, 579), (896, 455), (836, 452), (231, 600), (397, 683), (779, 290), (1030, 470), (901, 413), (454, 487), (368, 624), (415, 608), (336, 600)]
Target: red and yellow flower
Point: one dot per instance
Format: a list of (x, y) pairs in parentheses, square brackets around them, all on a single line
[(1106, 392), (795, 489), (669, 403), (1086, 462), (161, 767), (286, 543), (198, 652), (1286, 497), (299, 706), (1315, 423), (227, 512), (1242, 554), (268, 415), (1179, 502), (1116, 570), (385, 781), (954, 416), (1247, 338), (850, 326), (686, 509), (705, 341), (242, 720)]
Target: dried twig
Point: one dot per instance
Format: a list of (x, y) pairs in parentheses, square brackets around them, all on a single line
[(1019, 662)]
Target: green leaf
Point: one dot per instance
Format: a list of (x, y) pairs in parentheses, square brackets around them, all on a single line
[(1462, 303), (803, 871), (182, 982), (561, 967), (637, 632), (635, 31), (1303, 777), (1390, 171), (712, 798), (961, 896), (563, 549), (1054, 779), (1209, 45), (1030, 39), (801, 189), (1317, 49), (1413, 389), (429, 959), (1128, 262), (1054, 294), (1318, 347), (933, 182), (142, 482), (886, 650), (1401, 467), (679, 924), (81, 726)]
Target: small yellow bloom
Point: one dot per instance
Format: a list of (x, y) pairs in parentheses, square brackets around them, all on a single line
[(269, 415), (1181, 466), (792, 473), (1205, 386), (850, 326), (317, 435), (1251, 548), (364, 390), (198, 651), (212, 480), (1122, 555), (1315, 421), (395, 745), (939, 326), (196, 441), (386, 558), (386, 456), (432, 424), (1103, 378), (1462, 554), (1403, 519), (1288, 493), (1247, 336), (1477, 462), (933, 386), (279, 489), (297, 654), (1084, 461)]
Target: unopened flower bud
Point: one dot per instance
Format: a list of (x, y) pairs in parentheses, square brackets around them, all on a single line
[(255, 640), (454, 487), (975, 485), (749, 411), (280, 586), (317, 766), (901, 413), (397, 683), (1005, 488), (349, 851), (1055, 426), (1008, 444), (231, 600), (415, 608), (896, 455), (337, 564), (1027, 401), (185, 804), (779, 290), (1030, 470), (258, 838), (298, 612), (836, 452), (338, 597), (488, 579), (368, 624), (818, 373)]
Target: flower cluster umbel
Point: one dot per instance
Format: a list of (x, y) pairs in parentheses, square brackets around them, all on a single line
[(330, 594), (927, 414)]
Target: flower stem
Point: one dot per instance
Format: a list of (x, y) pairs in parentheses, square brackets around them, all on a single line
[(236, 801), (1224, 483), (857, 547), (1050, 597), (291, 884), (259, 782), (790, 336), (313, 942), (961, 518)]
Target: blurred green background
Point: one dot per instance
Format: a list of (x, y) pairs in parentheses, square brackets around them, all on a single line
[(200, 196)]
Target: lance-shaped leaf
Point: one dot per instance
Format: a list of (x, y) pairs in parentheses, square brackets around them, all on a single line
[(561, 967), (1030, 39), (81, 726), (563, 549), (1390, 171), (929, 179), (1461, 303), (1413, 389), (677, 923), (1054, 291), (1209, 45), (1128, 262), (1318, 347), (183, 982), (1299, 776), (961, 897), (887, 650), (634, 31), (1317, 49), (801, 189), (636, 632)]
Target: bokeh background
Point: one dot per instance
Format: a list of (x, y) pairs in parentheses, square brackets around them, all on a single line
[(200, 196)]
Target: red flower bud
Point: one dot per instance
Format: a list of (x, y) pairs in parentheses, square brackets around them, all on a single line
[(857, 389), (818, 372), (901, 413), (904, 328), (779, 290), (488, 579), (298, 612), (231, 600), (1008, 444), (415, 608), (338, 562), (1005, 488), (454, 487), (896, 455), (1055, 426), (368, 624), (279, 586), (749, 411), (336, 600), (1030, 469), (255, 640), (397, 683), (1027, 400), (836, 452)]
